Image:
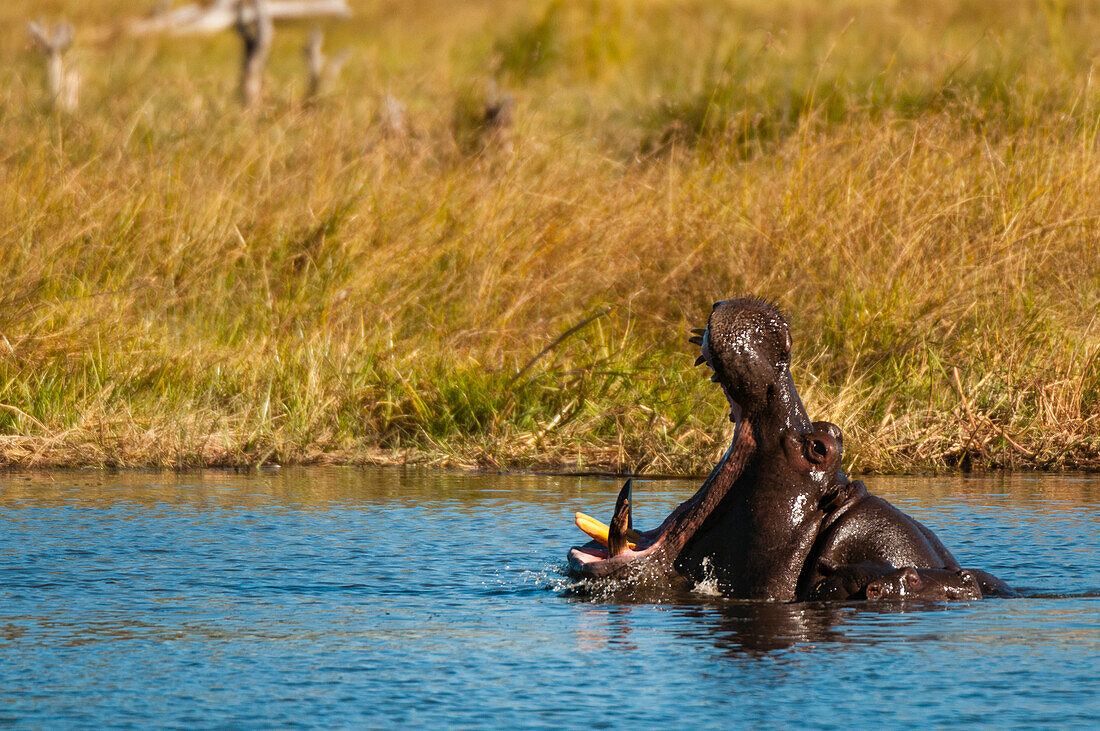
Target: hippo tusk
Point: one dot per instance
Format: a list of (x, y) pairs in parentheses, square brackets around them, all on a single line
[(660, 547), (621, 522), (598, 530)]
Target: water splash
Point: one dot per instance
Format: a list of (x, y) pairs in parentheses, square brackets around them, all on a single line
[(709, 584)]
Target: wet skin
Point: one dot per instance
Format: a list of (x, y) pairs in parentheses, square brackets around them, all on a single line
[(757, 541), (846, 582), (751, 527), (881, 582), (860, 528), (910, 584), (776, 506)]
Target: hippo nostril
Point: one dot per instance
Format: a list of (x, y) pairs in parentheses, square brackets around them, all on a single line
[(820, 448)]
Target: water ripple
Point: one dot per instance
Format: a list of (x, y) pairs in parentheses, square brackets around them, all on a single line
[(342, 597)]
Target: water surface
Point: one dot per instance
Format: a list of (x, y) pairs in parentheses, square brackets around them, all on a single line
[(346, 597)]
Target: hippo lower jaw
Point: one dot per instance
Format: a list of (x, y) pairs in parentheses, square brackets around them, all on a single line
[(656, 553)]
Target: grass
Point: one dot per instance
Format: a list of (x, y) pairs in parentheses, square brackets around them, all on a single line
[(185, 283)]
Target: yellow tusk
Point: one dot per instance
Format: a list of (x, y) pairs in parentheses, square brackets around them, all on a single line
[(595, 529)]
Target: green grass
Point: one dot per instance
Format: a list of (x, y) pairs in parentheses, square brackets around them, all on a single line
[(184, 282)]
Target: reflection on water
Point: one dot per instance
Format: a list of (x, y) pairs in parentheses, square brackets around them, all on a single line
[(332, 487), (347, 597)]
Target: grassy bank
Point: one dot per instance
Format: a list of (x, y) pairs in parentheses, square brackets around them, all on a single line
[(184, 282)]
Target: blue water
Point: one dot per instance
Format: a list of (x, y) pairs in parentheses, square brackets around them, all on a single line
[(347, 597)]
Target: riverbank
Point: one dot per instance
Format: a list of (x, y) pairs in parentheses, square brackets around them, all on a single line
[(187, 283)]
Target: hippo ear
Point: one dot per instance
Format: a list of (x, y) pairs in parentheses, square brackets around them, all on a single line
[(820, 448), (832, 430), (968, 578)]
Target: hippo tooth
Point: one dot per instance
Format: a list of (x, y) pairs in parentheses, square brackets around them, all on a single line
[(696, 340), (621, 522), (699, 330), (700, 360), (598, 530)]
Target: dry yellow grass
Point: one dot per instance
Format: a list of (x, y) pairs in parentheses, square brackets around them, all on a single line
[(186, 283)]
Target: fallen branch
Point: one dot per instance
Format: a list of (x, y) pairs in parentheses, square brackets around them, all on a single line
[(557, 341), (23, 415), (196, 19)]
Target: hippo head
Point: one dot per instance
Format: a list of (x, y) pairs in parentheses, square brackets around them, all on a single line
[(847, 581), (900, 584), (747, 345), (925, 585)]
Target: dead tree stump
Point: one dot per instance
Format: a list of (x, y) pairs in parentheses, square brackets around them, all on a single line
[(63, 85), (315, 61), (322, 70), (393, 117), (499, 118), (256, 29)]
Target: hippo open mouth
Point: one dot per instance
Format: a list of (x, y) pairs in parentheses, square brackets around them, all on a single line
[(658, 548), (636, 552), (752, 521)]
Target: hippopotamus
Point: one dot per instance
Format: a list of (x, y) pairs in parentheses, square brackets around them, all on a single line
[(777, 504), (846, 582), (881, 582), (913, 584)]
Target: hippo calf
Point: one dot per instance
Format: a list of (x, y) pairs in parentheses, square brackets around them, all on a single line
[(881, 582), (913, 584)]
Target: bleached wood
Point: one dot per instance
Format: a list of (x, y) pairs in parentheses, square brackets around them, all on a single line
[(62, 84), (321, 69), (256, 29), (393, 117), (222, 14), (315, 62)]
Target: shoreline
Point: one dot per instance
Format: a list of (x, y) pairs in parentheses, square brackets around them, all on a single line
[(420, 459)]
